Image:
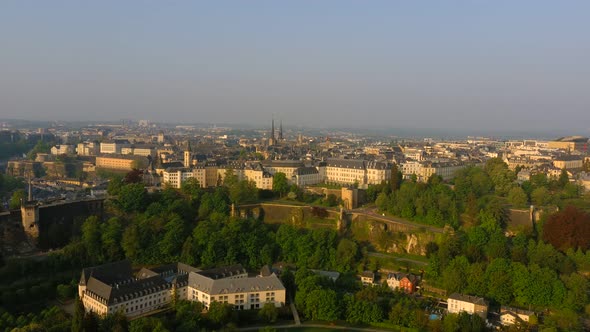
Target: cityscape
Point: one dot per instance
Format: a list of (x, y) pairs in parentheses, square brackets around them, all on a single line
[(304, 166)]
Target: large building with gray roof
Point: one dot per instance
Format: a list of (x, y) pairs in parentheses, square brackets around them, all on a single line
[(113, 287)]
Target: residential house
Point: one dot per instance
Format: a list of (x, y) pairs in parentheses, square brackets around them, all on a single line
[(470, 304), (405, 282), (511, 316), (367, 277)]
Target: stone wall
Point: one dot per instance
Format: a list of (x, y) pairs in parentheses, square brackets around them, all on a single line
[(44, 226)]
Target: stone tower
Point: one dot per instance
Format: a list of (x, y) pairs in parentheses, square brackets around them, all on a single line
[(30, 219)]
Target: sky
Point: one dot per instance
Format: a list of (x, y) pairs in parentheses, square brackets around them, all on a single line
[(482, 65)]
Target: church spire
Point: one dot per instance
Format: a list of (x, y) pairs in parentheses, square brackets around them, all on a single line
[(272, 131), (281, 130)]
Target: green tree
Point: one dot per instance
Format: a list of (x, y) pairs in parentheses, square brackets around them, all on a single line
[(280, 184), (220, 313), (455, 275), (395, 179), (40, 147), (78, 317), (131, 242), (91, 237), (112, 233), (153, 324), (16, 198), (132, 197), (517, 197), (563, 179), (191, 188), (243, 192), (322, 304), (540, 196), (346, 254), (269, 313)]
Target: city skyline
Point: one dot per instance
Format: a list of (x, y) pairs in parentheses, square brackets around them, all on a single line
[(483, 67)]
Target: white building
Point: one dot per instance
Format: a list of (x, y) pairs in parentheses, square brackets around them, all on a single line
[(87, 149), (62, 149), (175, 176), (306, 176), (242, 293), (113, 287), (458, 303)]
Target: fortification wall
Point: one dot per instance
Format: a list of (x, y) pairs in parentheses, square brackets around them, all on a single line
[(54, 225)]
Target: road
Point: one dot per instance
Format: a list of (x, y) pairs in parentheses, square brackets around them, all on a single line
[(373, 214), (326, 326)]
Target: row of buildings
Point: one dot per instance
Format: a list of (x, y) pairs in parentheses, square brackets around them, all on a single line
[(300, 173), (114, 287)]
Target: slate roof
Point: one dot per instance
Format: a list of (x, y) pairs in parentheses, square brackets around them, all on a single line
[(223, 272), (377, 165), (468, 298), (282, 163), (108, 273), (347, 163), (306, 171), (114, 281), (228, 286), (399, 276)]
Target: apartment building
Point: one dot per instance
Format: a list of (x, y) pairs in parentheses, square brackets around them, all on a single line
[(346, 171), (288, 167), (87, 149), (242, 293), (62, 149), (121, 162), (139, 150), (569, 162), (306, 176), (378, 172), (114, 146), (257, 174), (175, 176), (114, 288), (425, 169)]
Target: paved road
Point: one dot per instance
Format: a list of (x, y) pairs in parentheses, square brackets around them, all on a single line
[(295, 313), (373, 214), (326, 326)]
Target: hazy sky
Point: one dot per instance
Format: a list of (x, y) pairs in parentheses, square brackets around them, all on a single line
[(413, 64)]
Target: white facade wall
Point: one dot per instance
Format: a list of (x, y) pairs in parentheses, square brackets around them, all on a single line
[(176, 177)]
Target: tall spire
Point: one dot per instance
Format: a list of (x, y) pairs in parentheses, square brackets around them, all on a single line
[(272, 131), (281, 130)]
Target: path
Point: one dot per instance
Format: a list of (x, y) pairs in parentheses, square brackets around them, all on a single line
[(295, 313), (326, 326), (373, 214)]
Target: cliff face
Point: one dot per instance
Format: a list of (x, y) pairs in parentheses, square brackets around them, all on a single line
[(384, 237), (391, 240)]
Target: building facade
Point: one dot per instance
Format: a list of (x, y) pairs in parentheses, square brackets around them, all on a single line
[(458, 303), (113, 287)]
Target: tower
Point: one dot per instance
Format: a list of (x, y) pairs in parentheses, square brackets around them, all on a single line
[(187, 155), (281, 130), (271, 140)]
